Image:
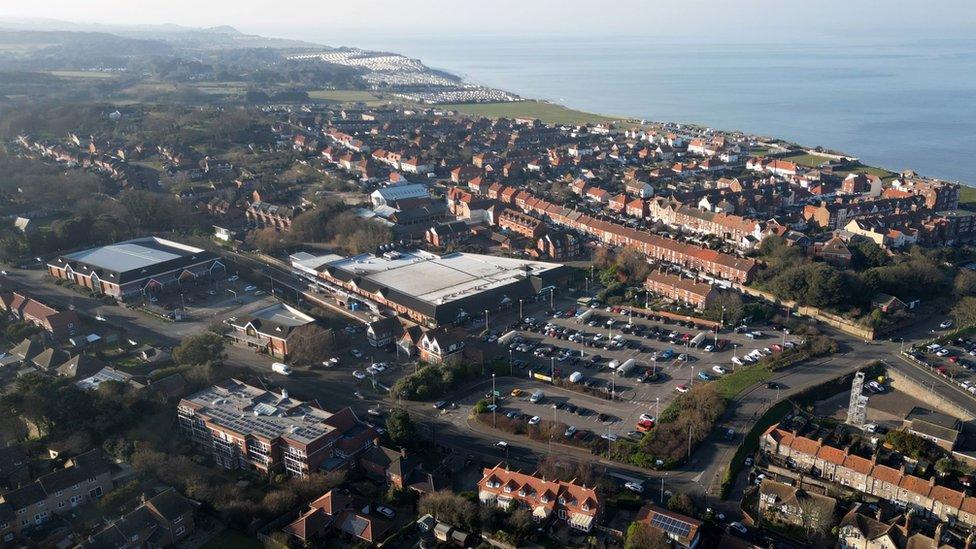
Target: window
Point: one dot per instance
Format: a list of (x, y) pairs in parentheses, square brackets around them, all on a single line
[(178, 519), (21, 511), (60, 504), (59, 492)]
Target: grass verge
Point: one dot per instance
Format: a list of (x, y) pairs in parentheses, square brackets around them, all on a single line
[(751, 443), (549, 113)]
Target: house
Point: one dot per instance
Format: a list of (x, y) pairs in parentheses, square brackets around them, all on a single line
[(683, 531), (444, 235), (60, 324), (386, 195), (161, 521), (942, 429), (80, 366), (442, 346), (887, 303), (522, 224), (266, 215), (337, 515), (26, 350), (248, 427), (84, 478), (577, 505), (382, 332), (559, 245), (677, 288), (795, 506), (397, 468), (14, 467), (269, 329), (834, 251)]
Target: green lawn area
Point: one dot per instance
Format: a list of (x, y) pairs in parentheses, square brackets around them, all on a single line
[(808, 160), (84, 74), (967, 195), (741, 379), (232, 538), (344, 96), (870, 170), (549, 113)]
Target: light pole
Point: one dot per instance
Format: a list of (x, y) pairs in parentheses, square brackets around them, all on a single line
[(734, 348), (486, 321), (493, 405), (511, 367), (662, 487), (552, 369), (613, 383), (520, 310), (692, 384), (552, 298), (657, 407)]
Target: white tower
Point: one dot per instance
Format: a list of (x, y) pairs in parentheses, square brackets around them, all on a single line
[(857, 410)]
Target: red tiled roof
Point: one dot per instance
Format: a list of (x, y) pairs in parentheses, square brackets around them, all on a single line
[(915, 485), (886, 474), (858, 464), (832, 455)]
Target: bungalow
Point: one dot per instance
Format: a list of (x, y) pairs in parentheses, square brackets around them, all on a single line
[(338, 515), (683, 531), (60, 324)]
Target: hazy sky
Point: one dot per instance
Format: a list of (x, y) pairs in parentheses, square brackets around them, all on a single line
[(692, 20)]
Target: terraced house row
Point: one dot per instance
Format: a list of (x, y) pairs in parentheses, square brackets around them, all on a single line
[(868, 476), (708, 261)]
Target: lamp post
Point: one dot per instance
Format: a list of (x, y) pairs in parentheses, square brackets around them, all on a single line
[(511, 367), (493, 405), (662, 487), (552, 369), (520, 310), (734, 349)]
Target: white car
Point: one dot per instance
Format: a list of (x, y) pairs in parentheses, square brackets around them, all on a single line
[(359, 374), (635, 487), (719, 370), (234, 278), (501, 444), (737, 361), (356, 353), (942, 352), (379, 366), (250, 288), (331, 362), (570, 431), (100, 318), (946, 325), (386, 511), (709, 348), (759, 478), (535, 420), (647, 417), (738, 527)]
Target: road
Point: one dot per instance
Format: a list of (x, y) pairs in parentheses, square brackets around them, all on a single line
[(331, 387)]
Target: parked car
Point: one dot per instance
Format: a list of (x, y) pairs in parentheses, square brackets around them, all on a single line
[(635, 487), (719, 370), (386, 511), (570, 431), (535, 420), (359, 374), (739, 528), (681, 388), (946, 324)]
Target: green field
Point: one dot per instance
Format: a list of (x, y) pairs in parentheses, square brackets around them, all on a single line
[(871, 170), (808, 160), (967, 195), (550, 113), (345, 96), (84, 74)]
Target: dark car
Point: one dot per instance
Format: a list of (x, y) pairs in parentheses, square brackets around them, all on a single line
[(604, 418), (582, 411), (571, 408)]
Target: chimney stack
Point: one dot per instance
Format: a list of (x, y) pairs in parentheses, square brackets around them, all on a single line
[(938, 535)]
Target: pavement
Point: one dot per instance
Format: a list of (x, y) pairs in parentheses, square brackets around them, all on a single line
[(332, 387)]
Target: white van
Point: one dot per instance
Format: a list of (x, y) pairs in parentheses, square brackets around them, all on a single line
[(576, 377), (281, 368), (537, 396), (737, 361)]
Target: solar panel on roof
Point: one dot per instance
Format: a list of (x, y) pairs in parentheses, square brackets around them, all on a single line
[(671, 525)]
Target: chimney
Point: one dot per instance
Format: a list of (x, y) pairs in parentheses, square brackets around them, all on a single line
[(969, 540), (879, 514), (932, 481), (284, 393), (938, 535), (909, 519), (403, 452)]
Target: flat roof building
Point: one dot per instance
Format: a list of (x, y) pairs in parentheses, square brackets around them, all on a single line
[(247, 426), (428, 288), (130, 269)]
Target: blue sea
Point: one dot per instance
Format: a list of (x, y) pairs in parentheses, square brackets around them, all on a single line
[(897, 104)]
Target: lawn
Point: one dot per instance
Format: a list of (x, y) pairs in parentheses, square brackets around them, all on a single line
[(741, 379), (344, 96), (870, 170), (550, 113), (808, 160), (232, 538), (967, 195), (84, 74)]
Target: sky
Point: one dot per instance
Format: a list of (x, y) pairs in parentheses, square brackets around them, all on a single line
[(713, 21)]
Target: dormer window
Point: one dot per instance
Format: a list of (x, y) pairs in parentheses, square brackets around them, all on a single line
[(508, 489), (562, 501), (585, 506), (522, 492)]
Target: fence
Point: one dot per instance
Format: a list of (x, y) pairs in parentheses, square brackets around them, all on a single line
[(845, 325)]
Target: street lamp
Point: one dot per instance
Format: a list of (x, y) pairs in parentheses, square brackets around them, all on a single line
[(662, 487), (511, 367), (552, 369), (486, 321), (493, 405), (520, 310)]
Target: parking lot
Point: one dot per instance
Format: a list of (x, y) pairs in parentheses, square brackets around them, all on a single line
[(955, 360)]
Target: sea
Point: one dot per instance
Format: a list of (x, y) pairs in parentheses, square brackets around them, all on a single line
[(895, 103)]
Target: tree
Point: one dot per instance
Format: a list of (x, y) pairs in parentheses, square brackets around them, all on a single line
[(944, 466), (401, 428), (449, 507), (641, 536), (310, 344), (200, 349), (816, 515), (268, 240), (964, 312), (965, 283), (520, 521), (682, 503)]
